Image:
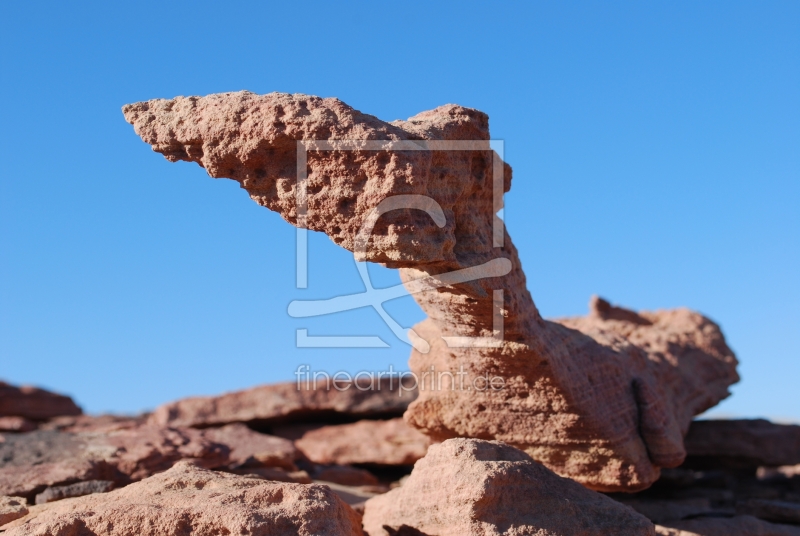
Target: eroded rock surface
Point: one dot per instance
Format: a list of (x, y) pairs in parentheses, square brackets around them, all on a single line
[(34, 403), (606, 403), (187, 499), (11, 508), (471, 487), (390, 442), (252, 449), (285, 402)]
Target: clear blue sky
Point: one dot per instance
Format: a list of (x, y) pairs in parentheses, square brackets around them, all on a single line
[(656, 149)]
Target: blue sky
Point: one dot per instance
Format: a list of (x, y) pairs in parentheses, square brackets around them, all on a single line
[(655, 145)]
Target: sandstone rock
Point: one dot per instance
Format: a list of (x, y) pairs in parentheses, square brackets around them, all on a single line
[(662, 511), (284, 402), (34, 403), (726, 526), (79, 489), (16, 424), (188, 499), (783, 471), (345, 475), (355, 496), (607, 407), (753, 442), (252, 449), (93, 423), (31, 462), (390, 442), (11, 508), (469, 487), (274, 473), (777, 511)]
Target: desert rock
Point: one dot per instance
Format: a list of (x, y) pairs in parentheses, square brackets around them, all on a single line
[(390, 442), (345, 475), (31, 462), (79, 489), (34, 403), (16, 424), (755, 442), (286, 402), (252, 449), (607, 407), (727, 526), (187, 499), (11, 508), (469, 487)]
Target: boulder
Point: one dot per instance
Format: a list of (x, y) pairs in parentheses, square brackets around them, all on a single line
[(34, 403), (726, 526), (187, 499), (11, 508), (269, 405), (390, 442), (604, 400), (748, 442), (472, 487)]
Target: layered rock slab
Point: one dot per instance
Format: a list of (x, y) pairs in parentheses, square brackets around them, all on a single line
[(608, 406), (727, 526), (748, 442), (34, 403), (390, 442), (187, 499), (268, 405), (471, 487)]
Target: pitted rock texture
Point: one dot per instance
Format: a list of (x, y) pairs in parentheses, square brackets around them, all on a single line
[(471, 487), (390, 442), (268, 405), (79, 489), (187, 499), (34, 403), (608, 407)]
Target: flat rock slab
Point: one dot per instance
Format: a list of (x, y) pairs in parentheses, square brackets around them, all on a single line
[(754, 442), (187, 499), (253, 449), (727, 526), (777, 511), (31, 462), (287, 402), (390, 442), (471, 487), (34, 403)]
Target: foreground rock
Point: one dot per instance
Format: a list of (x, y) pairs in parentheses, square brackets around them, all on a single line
[(34, 403), (390, 442), (188, 499), (744, 442), (31, 462), (11, 508), (470, 487), (284, 402), (608, 407)]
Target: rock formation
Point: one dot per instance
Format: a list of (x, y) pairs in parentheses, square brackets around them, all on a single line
[(11, 508), (471, 487), (727, 526), (390, 442), (604, 400), (187, 499), (744, 442), (34, 403), (269, 405)]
